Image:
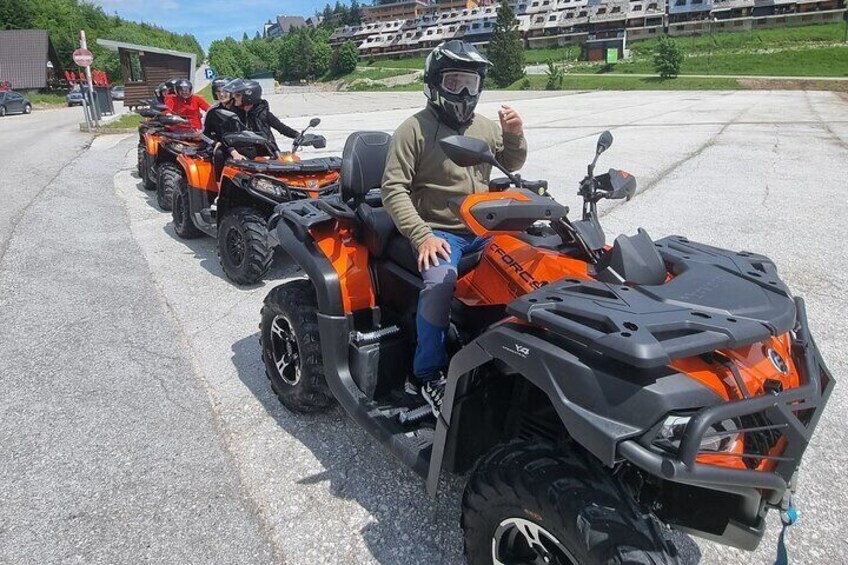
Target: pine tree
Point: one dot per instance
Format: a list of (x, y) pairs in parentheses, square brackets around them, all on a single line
[(354, 14), (506, 50)]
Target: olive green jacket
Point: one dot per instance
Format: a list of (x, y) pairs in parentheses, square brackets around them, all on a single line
[(419, 179)]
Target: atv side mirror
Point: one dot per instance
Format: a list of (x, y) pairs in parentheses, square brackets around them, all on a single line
[(604, 142), (313, 123), (171, 120), (159, 107), (148, 112), (467, 151)]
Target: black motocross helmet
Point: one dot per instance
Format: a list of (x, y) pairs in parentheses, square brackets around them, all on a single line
[(218, 84), (250, 90), (453, 80), (183, 88)]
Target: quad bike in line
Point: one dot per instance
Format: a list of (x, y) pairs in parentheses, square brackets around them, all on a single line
[(161, 140), (235, 205), (597, 392)]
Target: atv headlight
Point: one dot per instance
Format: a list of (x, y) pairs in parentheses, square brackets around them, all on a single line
[(269, 187), (720, 437)]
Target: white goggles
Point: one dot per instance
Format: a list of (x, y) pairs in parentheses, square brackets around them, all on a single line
[(454, 82)]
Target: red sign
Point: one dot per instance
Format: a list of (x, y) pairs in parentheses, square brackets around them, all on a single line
[(83, 57)]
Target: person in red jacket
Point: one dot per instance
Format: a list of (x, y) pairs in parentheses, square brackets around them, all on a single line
[(188, 105)]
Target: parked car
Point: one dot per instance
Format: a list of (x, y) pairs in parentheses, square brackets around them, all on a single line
[(117, 92), (75, 97), (13, 103)]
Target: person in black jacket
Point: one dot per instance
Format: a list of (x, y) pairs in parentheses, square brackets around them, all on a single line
[(255, 112), (222, 119)]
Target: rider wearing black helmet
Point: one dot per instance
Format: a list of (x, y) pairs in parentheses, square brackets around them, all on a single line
[(165, 90), (255, 112), (216, 121), (419, 182), (186, 104)]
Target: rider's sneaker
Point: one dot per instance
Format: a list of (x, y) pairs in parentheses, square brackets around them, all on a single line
[(433, 392)]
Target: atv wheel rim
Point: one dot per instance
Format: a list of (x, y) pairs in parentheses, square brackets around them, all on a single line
[(285, 351), (517, 540), (235, 246)]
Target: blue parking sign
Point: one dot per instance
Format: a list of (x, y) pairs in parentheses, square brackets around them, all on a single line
[(210, 73)]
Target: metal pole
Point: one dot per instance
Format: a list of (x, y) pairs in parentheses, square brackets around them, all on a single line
[(95, 115), (85, 113)]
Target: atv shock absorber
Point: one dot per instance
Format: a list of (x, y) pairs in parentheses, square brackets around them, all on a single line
[(375, 336), (415, 415)]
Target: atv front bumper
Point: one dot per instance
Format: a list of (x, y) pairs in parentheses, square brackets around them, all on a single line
[(794, 412)]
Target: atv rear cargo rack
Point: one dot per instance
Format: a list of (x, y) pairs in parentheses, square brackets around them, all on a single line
[(317, 165), (716, 300)]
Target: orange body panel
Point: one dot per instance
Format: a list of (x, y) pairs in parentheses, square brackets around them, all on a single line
[(200, 173), (350, 261), (511, 268), (304, 181), (151, 141)]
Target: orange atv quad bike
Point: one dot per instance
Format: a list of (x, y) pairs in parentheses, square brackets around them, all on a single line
[(168, 138), (150, 111), (597, 392), (235, 207)]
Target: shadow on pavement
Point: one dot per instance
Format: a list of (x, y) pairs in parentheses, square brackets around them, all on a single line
[(409, 526)]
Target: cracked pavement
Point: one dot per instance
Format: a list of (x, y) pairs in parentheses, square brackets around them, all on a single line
[(136, 423)]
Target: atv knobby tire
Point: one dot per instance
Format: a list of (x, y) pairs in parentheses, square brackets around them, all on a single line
[(169, 179), (146, 172), (181, 212), (289, 339), (243, 246), (529, 491), (140, 155)]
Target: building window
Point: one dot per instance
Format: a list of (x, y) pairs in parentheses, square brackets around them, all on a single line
[(135, 72)]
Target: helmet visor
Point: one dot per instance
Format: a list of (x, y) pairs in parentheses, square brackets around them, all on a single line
[(454, 82)]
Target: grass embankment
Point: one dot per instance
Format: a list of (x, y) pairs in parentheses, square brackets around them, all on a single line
[(130, 120), (801, 51), (41, 100), (538, 82), (531, 57), (206, 93)]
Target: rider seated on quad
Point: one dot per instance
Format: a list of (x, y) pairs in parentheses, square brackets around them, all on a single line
[(187, 104), (256, 114), (418, 182), (164, 91), (221, 119)]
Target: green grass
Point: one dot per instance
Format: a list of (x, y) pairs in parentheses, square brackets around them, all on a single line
[(365, 87), (127, 121), (623, 82), (39, 99), (206, 93), (751, 40), (531, 57), (415, 63), (824, 61)]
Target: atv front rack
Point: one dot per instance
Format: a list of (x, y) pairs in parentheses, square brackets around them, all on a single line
[(793, 414), (717, 299), (317, 165)]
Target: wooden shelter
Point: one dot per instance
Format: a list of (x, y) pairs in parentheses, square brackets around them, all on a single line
[(143, 68)]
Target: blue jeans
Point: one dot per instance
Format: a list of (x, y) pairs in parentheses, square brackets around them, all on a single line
[(433, 316)]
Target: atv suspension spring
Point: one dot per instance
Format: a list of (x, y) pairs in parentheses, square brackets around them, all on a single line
[(373, 337), (412, 416)]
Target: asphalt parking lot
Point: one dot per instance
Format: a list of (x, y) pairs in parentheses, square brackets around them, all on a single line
[(136, 423)]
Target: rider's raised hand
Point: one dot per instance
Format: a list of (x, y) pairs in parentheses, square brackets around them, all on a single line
[(429, 251), (510, 120)]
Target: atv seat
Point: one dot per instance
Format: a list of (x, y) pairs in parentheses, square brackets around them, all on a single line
[(383, 241), (363, 161)]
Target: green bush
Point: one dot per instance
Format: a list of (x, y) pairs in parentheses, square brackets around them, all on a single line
[(667, 58), (555, 77), (345, 59)]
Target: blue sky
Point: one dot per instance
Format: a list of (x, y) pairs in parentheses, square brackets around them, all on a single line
[(210, 19)]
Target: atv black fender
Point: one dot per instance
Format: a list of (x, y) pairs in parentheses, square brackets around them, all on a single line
[(600, 402)]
